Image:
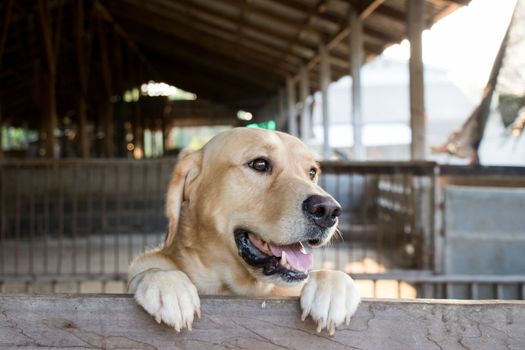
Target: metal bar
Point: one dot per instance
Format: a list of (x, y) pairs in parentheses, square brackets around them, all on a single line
[(103, 218), (419, 168), (499, 291), (89, 224), (379, 230), (32, 224), (474, 291), (46, 216), (118, 218), (74, 220), (17, 225), (160, 182), (3, 220), (129, 208), (337, 191), (60, 214), (448, 290), (481, 170), (427, 276), (437, 222), (364, 215), (351, 191), (145, 205)]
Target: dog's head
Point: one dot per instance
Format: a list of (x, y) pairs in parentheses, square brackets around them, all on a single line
[(256, 192)]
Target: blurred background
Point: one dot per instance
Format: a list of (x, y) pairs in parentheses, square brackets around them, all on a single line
[(415, 110)]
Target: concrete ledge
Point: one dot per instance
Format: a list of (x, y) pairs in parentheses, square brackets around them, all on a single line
[(115, 321)]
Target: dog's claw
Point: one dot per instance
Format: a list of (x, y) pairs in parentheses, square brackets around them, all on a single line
[(198, 312), (158, 319), (331, 327), (177, 327), (320, 325), (304, 315), (188, 325), (347, 320)]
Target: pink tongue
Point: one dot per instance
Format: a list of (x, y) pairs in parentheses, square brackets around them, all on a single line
[(296, 258)]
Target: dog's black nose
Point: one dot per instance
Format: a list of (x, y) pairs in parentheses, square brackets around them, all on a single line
[(323, 211)]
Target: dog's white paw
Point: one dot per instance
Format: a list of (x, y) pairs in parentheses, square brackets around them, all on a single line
[(170, 297), (330, 298)]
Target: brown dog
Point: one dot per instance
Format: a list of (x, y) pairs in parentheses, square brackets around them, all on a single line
[(240, 212)]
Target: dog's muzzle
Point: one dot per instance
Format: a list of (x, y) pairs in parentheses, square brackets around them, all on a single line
[(290, 262)]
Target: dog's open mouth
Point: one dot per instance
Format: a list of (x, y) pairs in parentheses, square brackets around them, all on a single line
[(291, 262)]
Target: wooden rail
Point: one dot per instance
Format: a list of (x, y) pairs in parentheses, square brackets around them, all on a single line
[(111, 321)]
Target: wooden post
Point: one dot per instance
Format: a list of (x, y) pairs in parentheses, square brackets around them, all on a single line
[(292, 112), (83, 132), (356, 58), (416, 23), (49, 113), (138, 132), (166, 124), (304, 91), (107, 106), (281, 117), (324, 77), (83, 138)]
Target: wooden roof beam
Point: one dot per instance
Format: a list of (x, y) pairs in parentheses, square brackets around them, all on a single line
[(343, 27), (200, 24), (278, 18), (242, 18), (259, 66), (301, 6), (201, 57), (290, 53), (391, 13), (211, 41), (265, 30), (185, 68), (106, 15), (316, 9)]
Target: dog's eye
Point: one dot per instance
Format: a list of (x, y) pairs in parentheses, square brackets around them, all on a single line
[(312, 173), (260, 164)]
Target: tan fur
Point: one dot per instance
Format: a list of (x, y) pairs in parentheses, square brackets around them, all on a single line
[(212, 192)]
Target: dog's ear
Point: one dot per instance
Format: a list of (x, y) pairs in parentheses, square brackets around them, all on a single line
[(184, 175)]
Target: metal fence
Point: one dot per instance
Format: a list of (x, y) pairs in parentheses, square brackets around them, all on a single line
[(388, 213), (74, 225), (78, 220)]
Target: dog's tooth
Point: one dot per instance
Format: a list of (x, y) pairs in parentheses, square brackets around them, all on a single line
[(283, 259), (303, 250)]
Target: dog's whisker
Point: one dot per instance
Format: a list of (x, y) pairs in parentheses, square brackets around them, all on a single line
[(338, 231)]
